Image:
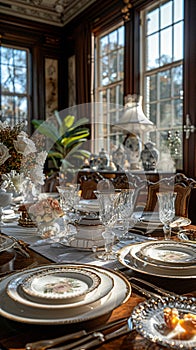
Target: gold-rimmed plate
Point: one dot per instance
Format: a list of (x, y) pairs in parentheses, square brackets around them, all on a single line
[(15, 292), (66, 284)]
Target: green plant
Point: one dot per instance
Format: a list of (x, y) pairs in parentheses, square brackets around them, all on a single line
[(66, 137)]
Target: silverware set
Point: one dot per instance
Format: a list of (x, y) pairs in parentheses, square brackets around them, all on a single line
[(83, 339)]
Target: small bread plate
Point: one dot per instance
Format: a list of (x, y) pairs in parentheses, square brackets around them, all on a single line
[(149, 321), (15, 292), (67, 284)]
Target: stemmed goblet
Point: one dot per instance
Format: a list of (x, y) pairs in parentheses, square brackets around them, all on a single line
[(69, 198), (108, 213), (166, 202), (126, 207)]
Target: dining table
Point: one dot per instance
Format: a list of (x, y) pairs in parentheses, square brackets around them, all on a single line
[(32, 251)]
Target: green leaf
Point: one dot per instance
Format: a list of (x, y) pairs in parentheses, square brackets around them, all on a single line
[(69, 121)]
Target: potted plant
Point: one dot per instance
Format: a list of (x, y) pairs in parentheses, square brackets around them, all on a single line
[(64, 138)]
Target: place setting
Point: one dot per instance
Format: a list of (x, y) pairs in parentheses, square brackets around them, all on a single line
[(62, 294), (160, 258)]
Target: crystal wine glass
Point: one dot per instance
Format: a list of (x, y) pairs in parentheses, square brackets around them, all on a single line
[(166, 202), (126, 207), (108, 213), (69, 197)]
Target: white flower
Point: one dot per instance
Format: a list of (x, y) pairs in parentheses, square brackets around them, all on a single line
[(4, 153), (41, 157), (37, 176), (24, 145), (3, 125)]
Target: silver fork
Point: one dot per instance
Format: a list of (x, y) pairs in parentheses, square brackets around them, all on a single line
[(97, 338), (159, 290), (48, 343)]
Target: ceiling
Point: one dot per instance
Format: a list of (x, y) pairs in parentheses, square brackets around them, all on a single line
[(54, 12)]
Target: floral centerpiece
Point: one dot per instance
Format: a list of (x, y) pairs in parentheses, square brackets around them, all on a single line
[(21, 157), (45, 210), (44, 213)]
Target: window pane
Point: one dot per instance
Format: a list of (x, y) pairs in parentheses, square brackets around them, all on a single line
[(121, 37), (178, 42), (152, 88), (113, 40), (152, 22), (178, 10), (178, 112), (153, 113), (112, 95), (152, 51), (165, 114), (166, 46), (104, 73), (103, 45), (177, 80), (113, 66), (7, 79), (20, 58), (110, 69), (20, 80), (166, 14), (165, 84)]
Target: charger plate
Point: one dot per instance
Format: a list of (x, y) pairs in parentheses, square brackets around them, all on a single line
[(15, 291), (118, 295), (127, 259), (148, 320), (66, 284)]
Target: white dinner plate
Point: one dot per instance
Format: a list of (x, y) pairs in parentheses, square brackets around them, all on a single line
[(15, 292), (148, 319), (127, 260), (139, 260), (119, 294)]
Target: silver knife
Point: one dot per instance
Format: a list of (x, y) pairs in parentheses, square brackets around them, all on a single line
[(97, 338)]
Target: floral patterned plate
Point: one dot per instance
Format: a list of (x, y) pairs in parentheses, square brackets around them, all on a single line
[(168, 253), (15, 292), (60, 284)]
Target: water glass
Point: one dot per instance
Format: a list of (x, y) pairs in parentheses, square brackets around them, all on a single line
[(166, 202)]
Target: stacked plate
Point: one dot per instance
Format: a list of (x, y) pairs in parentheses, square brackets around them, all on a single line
[(161, 258), (60, 294), (150, 221)]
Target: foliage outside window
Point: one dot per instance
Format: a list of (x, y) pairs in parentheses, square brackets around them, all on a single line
[(162, 66), (109, 76), (14, 97)]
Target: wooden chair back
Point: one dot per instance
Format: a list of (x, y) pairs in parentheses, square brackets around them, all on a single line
[(178, 183)]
